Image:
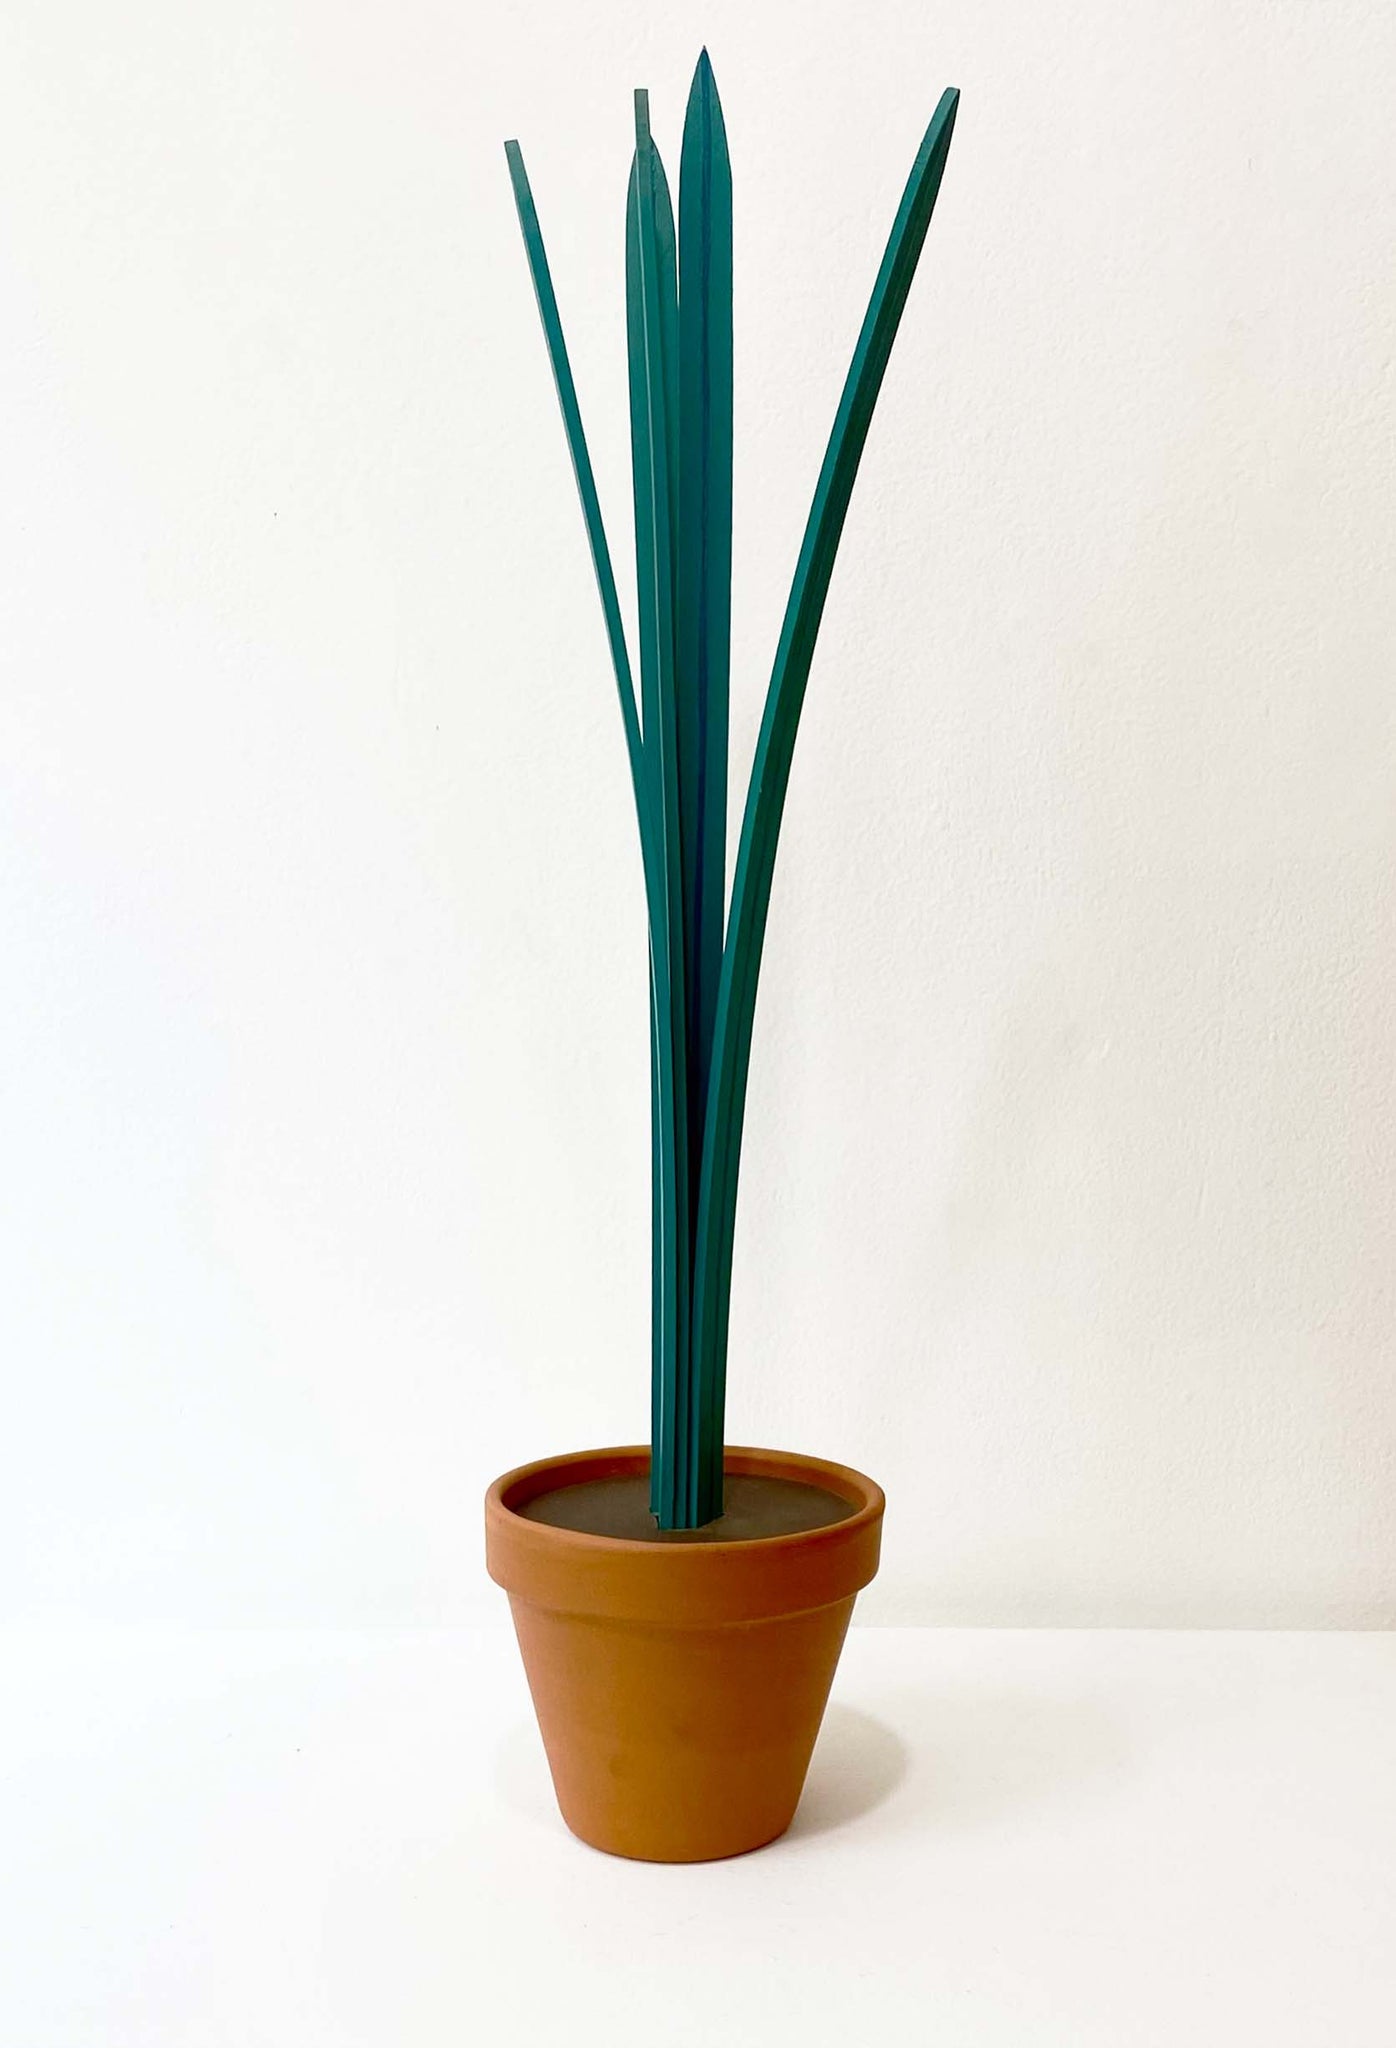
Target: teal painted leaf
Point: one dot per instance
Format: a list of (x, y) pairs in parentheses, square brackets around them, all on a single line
[(581, 463), (770, 775), (652, 332), (703, 620)]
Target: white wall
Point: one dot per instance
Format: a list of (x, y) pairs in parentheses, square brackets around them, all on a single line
[(1068, 1195)]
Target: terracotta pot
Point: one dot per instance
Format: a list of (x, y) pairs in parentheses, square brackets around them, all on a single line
[(679, 1687)]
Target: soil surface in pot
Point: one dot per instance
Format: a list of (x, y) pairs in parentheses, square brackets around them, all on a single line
[(753, 1506)]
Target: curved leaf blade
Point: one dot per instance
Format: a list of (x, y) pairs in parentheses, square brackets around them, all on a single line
[(652, 331), (751, 890), (581, 461), (703, 581), (703, 622)]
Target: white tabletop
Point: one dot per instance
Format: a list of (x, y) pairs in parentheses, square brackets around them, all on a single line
[(1030, 1838)]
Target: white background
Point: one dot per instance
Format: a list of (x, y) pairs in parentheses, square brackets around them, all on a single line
[(1029, 1838), (1068, 1196)]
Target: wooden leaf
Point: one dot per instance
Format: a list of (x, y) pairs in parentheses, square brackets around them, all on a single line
[(770, 775), (652, 324), (581, 465), (703, 607), (650, 846)]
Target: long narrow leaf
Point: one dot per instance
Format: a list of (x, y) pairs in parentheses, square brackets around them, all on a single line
[(650, 850), (652, 318), (662, 1448), (581, 464), (703, 585), (751, 891), (703, 617)]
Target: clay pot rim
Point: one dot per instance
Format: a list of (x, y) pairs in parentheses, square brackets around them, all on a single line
[(849, 1484)]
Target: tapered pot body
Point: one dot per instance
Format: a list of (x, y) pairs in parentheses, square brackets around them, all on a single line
[(679, 1688)]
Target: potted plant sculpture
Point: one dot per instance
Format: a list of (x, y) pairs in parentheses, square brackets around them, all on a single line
[(681, 1605)]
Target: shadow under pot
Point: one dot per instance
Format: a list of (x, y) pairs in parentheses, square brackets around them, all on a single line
[(679, 1677)]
